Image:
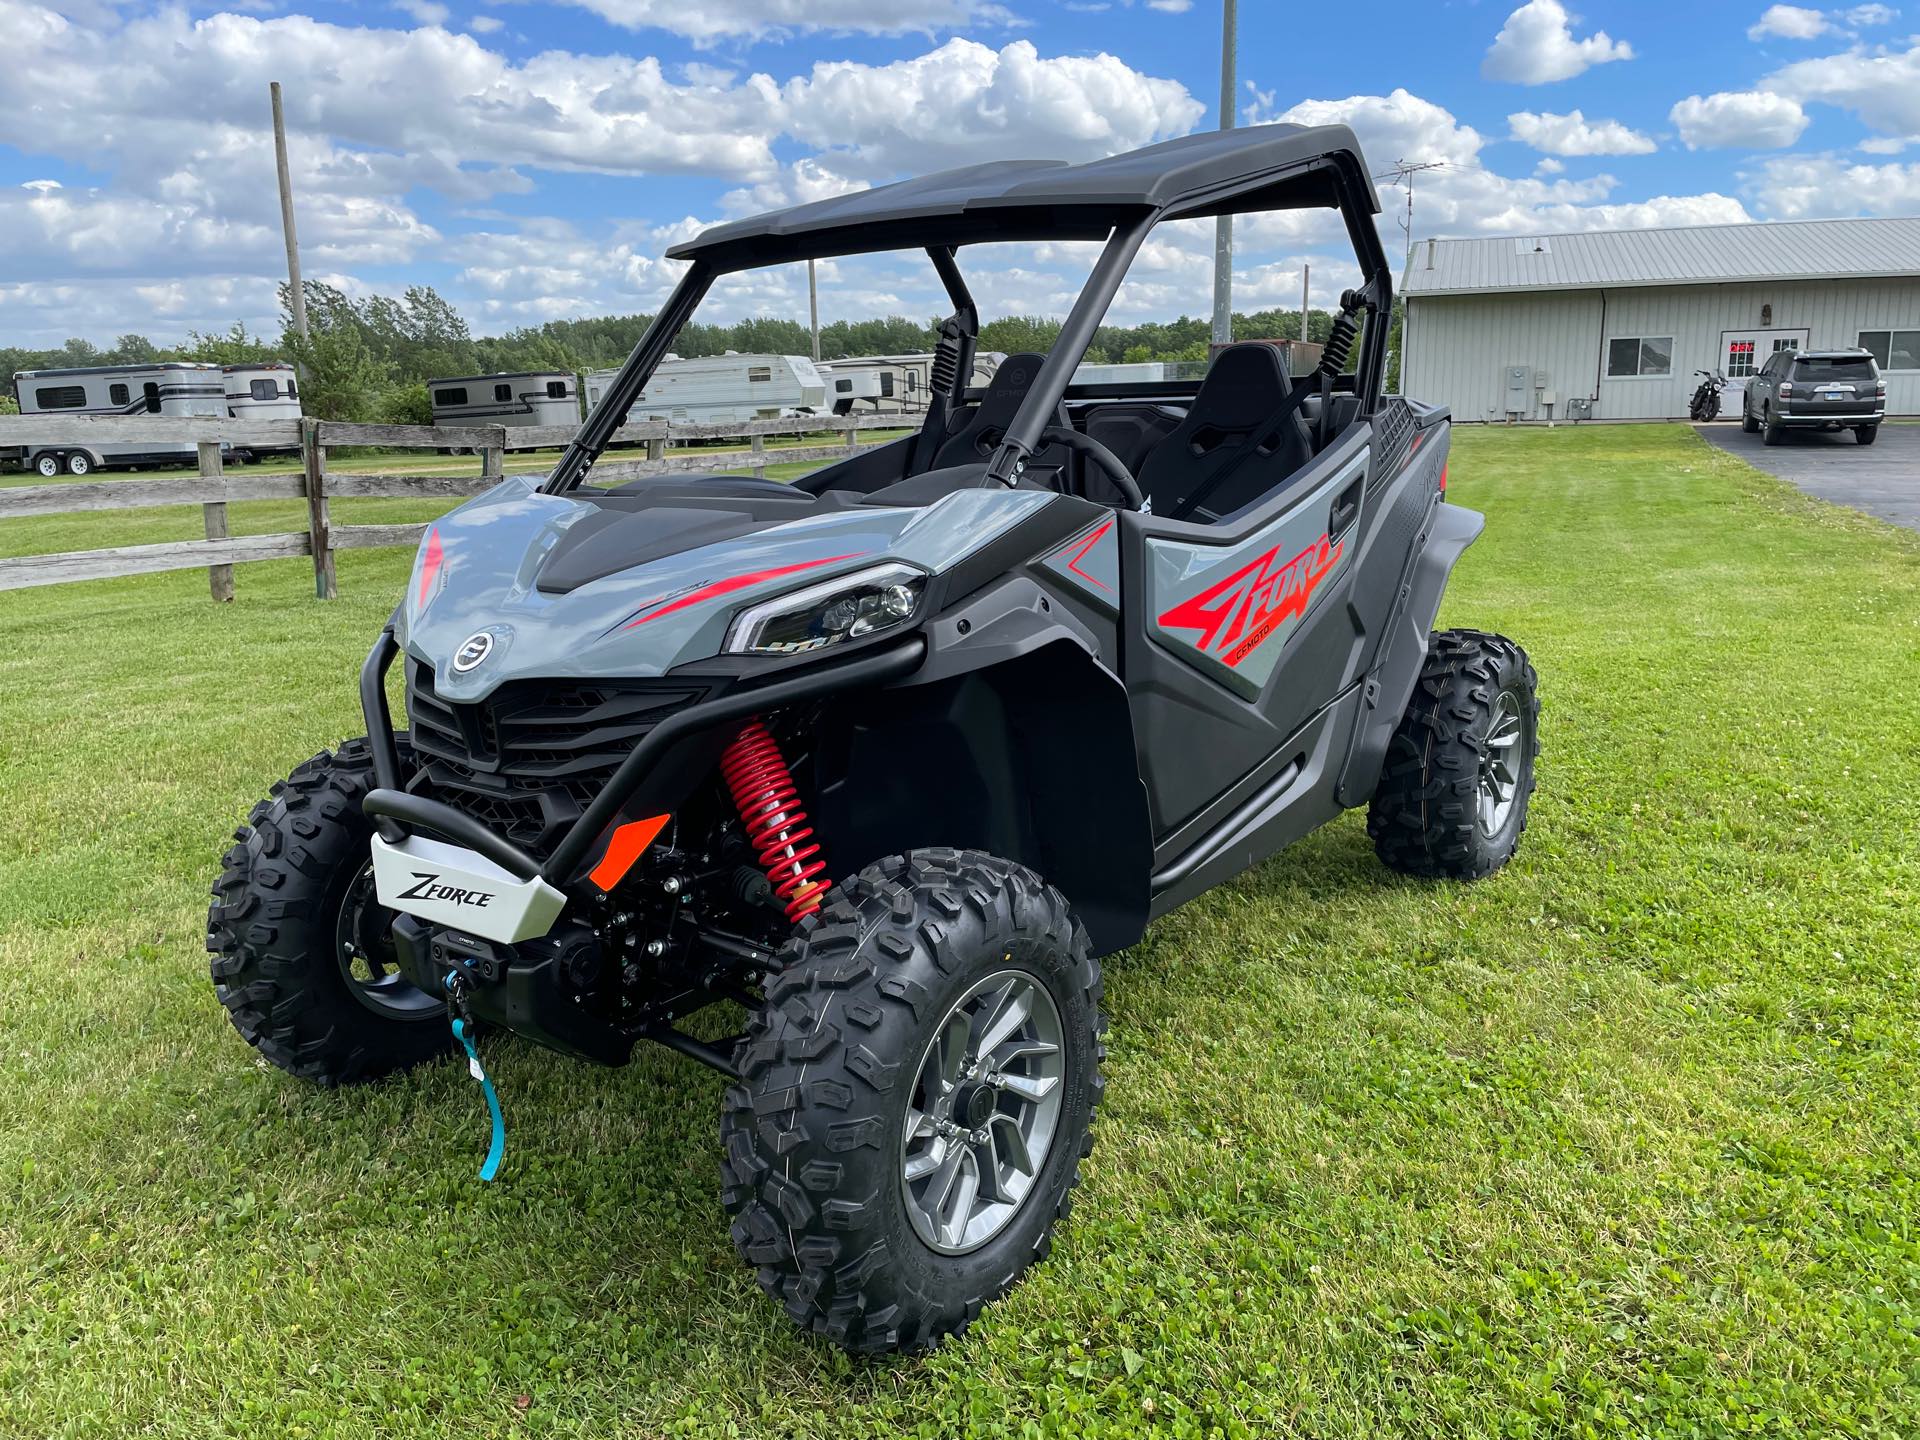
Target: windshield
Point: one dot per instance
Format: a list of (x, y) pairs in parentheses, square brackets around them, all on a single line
[(1846, 369)]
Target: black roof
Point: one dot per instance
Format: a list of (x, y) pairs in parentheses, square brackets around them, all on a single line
[(1258, 167)]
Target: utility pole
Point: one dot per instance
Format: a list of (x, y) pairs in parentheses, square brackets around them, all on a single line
[(1223, 225), (1306, 286), (813, 310), (296, 291)]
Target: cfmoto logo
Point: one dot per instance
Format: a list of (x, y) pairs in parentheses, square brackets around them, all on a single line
[(472, 651)]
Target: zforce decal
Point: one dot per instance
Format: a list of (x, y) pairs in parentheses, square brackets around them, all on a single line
[(427, 886), (1234, 616)]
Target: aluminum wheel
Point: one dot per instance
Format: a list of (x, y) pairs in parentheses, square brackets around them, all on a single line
[(981, 1119), (1500, 763), (363, 945)]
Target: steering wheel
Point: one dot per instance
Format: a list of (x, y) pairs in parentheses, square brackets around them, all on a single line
[(1100, 455)]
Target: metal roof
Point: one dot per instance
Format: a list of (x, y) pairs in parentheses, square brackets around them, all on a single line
[(1697, 254), (1048, 199)]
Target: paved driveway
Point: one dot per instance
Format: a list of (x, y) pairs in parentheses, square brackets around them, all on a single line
[(1882, 479)]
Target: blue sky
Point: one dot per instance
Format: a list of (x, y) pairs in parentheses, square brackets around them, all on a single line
[(531, 158)]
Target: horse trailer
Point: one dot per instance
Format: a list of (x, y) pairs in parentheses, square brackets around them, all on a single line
[(268, 390), (172, 388), (534, 397), (899, 383)]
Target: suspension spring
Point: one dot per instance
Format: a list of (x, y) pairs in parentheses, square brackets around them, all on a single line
[(769, 803)]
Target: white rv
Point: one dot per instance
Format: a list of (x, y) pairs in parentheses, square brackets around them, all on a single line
[(539, 397), (724, 390), (1132, 372), (899, 383), (173, 388), (268, 390)]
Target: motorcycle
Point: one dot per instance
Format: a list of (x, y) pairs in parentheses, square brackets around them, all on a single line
[(1705, 404)]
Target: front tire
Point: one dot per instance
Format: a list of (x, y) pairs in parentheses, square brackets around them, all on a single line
[(916, 1096), (1452, 799), (302, 954), (47, 465)]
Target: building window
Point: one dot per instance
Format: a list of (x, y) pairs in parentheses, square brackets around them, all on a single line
[(1633, 355), (264, 389), (60, 397), (556, 389), (455, 396), (118, 394), (759, 372), (503, 392), (1893, 349)]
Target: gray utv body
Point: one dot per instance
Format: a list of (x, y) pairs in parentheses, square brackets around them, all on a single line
[(1135, 705)]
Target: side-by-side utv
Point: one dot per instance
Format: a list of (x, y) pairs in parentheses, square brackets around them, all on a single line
[(892, 754)]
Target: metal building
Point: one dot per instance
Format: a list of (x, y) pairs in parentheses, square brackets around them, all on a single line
[(1612, 325)]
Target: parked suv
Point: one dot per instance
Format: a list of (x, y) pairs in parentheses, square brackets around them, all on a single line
[(1816, 389)]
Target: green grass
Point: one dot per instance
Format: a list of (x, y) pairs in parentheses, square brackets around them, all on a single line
[(1619, 1142)]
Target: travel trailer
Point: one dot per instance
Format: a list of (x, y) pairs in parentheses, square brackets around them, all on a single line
[(901, 382), (536, 397), (173, 388), (724, 390), (265, 391)]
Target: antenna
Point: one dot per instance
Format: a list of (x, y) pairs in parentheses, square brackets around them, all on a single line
[(1402, 174)]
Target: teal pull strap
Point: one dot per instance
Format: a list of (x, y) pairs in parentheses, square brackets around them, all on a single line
[(491, 1166)]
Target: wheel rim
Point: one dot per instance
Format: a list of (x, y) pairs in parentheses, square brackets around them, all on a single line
[(79, 465), (47, 465), (363, 946), (1500, 763), (983, 1113)]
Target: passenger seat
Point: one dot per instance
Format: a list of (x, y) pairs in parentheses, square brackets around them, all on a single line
[(1241, 439)]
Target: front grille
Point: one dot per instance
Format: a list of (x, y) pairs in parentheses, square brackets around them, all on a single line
[(530, 757)]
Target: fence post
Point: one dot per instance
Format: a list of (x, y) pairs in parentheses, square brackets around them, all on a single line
[(657, 448), (219, 577), (493, 458), (853, 435), (313, 456), (758, 445)]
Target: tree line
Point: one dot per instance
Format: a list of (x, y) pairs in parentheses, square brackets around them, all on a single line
[(370, 359)]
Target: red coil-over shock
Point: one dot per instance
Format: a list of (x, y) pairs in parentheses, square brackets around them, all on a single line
[(777, 828)]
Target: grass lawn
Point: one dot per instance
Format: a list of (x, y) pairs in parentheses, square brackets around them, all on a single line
[(1621, 1141)]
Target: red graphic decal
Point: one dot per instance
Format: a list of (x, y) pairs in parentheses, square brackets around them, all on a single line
[(1234, 616), (732, 583), (429, 567), (1080, 553)]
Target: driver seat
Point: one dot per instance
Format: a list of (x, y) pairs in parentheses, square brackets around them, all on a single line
[(986, 425), (1242, 437)]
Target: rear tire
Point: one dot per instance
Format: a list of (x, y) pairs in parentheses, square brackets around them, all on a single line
[(1867, 434), (79, 463), (1770, 433), (1443, 808), (838, 1133), (293, 895)]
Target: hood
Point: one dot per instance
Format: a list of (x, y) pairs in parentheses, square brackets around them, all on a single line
[(636, 581)]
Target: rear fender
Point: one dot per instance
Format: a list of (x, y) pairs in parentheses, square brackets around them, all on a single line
[(1013, 738)]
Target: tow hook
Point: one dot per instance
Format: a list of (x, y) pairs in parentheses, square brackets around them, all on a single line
[(460, 1017)]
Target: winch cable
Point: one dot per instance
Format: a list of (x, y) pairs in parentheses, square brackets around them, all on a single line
[(463, 1032)]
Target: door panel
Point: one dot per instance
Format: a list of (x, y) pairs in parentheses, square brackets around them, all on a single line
[(1744, 354), (1236, 633)]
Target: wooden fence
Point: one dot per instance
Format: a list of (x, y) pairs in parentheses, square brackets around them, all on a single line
[(214, 487)]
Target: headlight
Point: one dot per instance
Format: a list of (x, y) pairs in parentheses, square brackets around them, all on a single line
[(830, 613)]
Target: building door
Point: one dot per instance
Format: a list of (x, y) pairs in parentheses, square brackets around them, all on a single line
[(1744, 353)]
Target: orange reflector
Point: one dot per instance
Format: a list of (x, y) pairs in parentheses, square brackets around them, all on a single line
[(1443, 477), (628, 844)]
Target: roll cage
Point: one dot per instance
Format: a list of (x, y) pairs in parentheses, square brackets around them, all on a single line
[(1118, 200)]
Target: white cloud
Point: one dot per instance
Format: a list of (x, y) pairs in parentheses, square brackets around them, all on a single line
[(1537, 45), (1574, 134), (1881, 87), (1798, 187), (427, 12), (1738, 119), (1550, 166), (1789, 22), (712, 23), (486, 24), (965, 101), (1865, 15), (1171, 7)]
